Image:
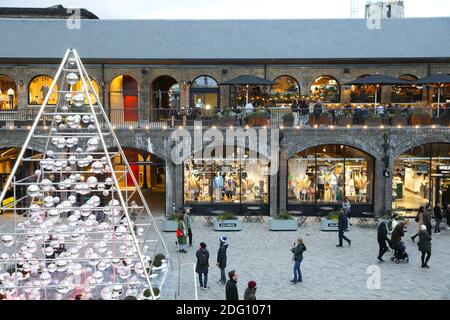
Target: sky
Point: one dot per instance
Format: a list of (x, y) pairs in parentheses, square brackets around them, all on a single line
[(231, 9)]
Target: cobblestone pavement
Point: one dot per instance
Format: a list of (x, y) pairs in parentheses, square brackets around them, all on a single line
[(328, 272)]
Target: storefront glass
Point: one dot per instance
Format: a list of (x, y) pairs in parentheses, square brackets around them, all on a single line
[(326, 89), (285, 92), (406, 94), (79, 87), (328, 174), (422, 175), (205, 95), (236, 179), (8, 93), (445, 94), (38, 89), (364, 93)]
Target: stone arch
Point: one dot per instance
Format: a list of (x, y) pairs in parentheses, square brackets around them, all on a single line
[(404, 144)]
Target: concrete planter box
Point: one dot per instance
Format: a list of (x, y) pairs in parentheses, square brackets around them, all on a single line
[(283, 225), (170, 225), (330, 225), (228, 225)]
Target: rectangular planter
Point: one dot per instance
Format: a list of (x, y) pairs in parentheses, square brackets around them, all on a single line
[(170, 225), (228, 225), (282, 225)]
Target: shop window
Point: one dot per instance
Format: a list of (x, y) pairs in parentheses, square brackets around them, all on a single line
[(123, 99), (406, 94), (421, 176), (328, 174), (364, 93), (285, 92), (8, 93), (445, 94), (257, 95), (238, 179), (165, 93), (326, 89), (79, 87), (38, 90), (204, 93)]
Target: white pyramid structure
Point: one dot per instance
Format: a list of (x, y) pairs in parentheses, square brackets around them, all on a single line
[(79, 226)]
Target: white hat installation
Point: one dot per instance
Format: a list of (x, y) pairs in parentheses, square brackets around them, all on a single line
[(81, 225)]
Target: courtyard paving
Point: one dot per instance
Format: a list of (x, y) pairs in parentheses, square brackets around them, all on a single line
[(328, 272)]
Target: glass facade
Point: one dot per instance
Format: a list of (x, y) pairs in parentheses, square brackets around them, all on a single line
[(8, 93), (422, 175), (364, 93), (236, 179), (79, 87), (328, 174), (406, 94), (326, 89), (205, 95), (38, 90), (285, 92)]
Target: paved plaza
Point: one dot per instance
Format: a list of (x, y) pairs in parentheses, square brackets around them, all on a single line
[(328, 272)]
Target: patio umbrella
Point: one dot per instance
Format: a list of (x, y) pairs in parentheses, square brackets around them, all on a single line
[(248, 80), (377, 80), (437, 80)]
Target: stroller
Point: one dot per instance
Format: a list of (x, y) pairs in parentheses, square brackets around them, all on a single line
[(400, 254)]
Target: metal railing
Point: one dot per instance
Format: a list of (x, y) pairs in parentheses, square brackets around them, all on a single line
[(271, 117)]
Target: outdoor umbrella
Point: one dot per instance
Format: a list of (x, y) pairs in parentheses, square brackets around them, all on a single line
[(248, 80), (377, 80), (437, 80)]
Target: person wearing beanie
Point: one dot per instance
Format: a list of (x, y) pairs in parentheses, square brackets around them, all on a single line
[(425, 245), (231, 291), (250, 292), (202, 266), (222, 258), (297, 251)]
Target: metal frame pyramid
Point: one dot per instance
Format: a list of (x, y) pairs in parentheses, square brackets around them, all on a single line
[(73, 231)]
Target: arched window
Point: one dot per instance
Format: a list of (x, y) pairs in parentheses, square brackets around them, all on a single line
[(422, 175), (205, 95), (8, 93), (326, 89), (445, 94), (124, 99), (38, 89), (328, 174), (165, 93), (364, 93), (408, 93), (285, 92), (79, 87)]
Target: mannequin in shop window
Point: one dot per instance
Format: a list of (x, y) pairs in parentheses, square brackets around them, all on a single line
[(332, 181), (218, 186), (44, 90), (229, 187), (321, 186), (10, 93), (302, 185), (361, 184), (247, 186)]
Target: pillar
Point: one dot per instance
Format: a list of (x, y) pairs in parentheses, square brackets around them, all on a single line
[(386, 95), (169, 187), (184, 95), (283, 173)]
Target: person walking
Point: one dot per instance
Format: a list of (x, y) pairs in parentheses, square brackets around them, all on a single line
[(427, 217), (317, 112), (202, 266), (187, 223), (297, 251), (231, 291), (347, 207), (342, 227), (181, 235), (437, 219), (382, 240), (222, 258), (425, 246), (419, 220), (250, 292)]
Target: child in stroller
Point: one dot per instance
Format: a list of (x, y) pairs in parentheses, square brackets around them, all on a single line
[(400, 253)]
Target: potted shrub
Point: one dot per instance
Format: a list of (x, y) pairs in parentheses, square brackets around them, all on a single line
[(288, 119), (227, 222), (147, 295), (170, 223), (159, 262), (325, 118), (258, 118), (421, 117), (373, 120), (283, 221), (330, 222)]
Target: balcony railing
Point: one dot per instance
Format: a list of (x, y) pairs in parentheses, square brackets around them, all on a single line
[(270, 118)]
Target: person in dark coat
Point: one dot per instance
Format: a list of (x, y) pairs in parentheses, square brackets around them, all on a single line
[(297, 250), (419, 220), (425, 246), (397, 234), (250, 292), (231, 291), (427, 216), (317, 112), (202, 266), (383, 240), (222, 258), (437, 218), (342, 227)]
